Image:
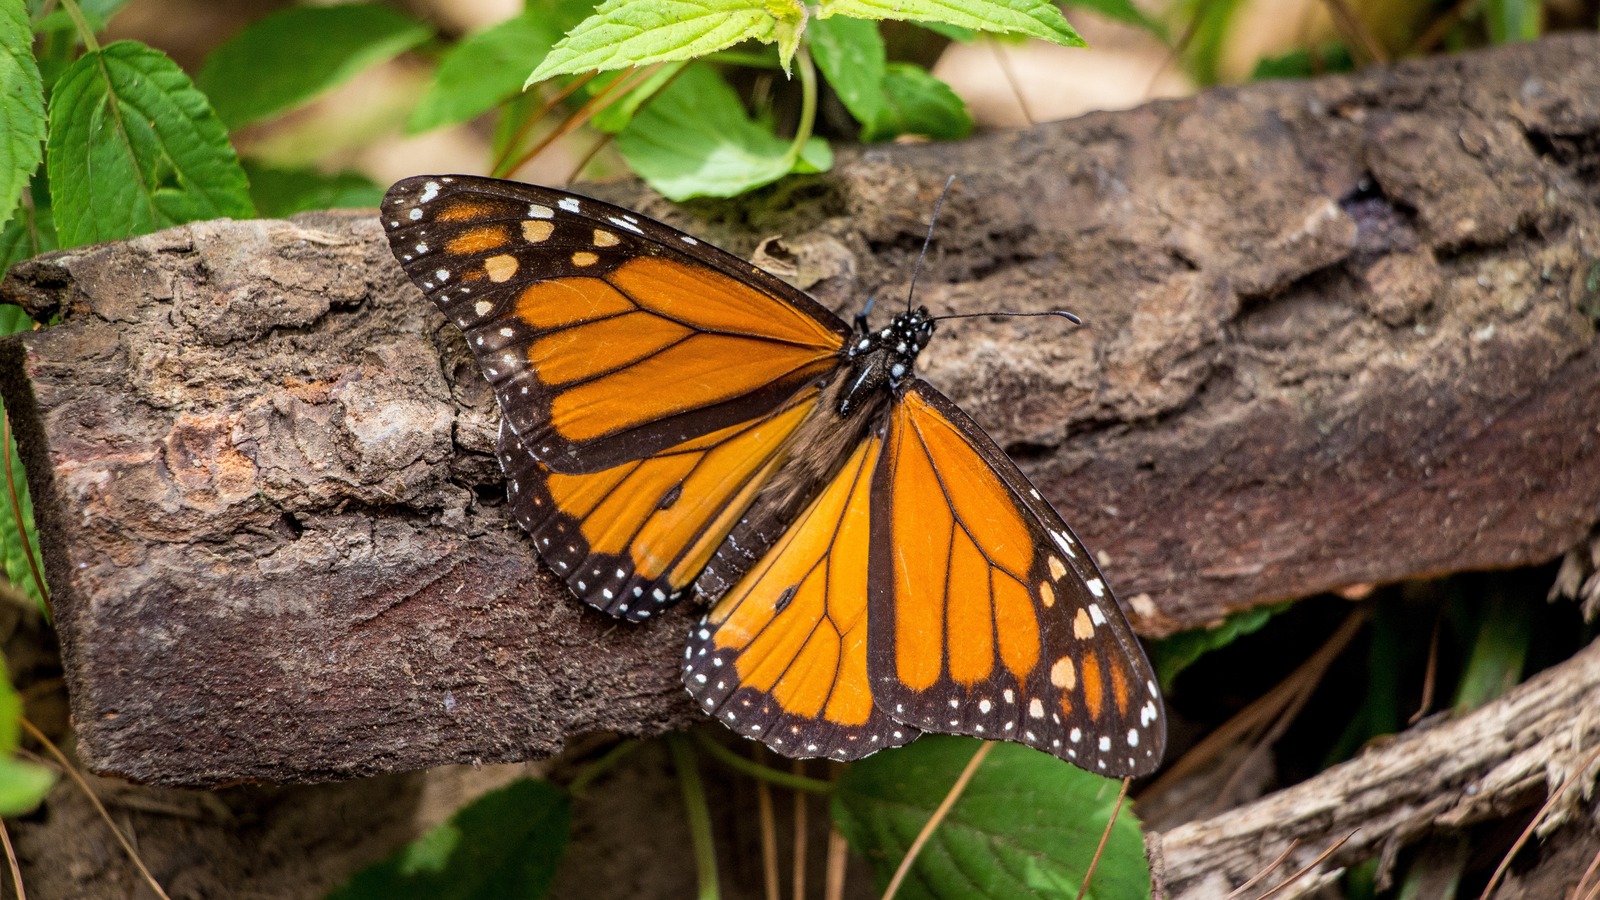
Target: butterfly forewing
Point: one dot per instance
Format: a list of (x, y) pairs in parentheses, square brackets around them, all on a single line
[(987, 616), (782, 657), (607, 337)]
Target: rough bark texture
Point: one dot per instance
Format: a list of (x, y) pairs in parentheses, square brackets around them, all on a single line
[(1343, 332), (1444, 774)]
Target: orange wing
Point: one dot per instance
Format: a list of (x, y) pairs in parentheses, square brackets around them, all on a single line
[(987, 616), (630, 540), (607, 337), (782, 657)]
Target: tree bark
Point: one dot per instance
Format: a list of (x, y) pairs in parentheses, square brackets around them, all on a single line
[(1343, 331)]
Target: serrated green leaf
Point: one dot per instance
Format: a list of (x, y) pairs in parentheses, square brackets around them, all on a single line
[(852, 57), (134, 147), (486, 68), (294, 55), (284, 192), (624, 33), (695, 140), (21, 108), (1026, 826), (505, 844), (915, 102), (1034, 18)]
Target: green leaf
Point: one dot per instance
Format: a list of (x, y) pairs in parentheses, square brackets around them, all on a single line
[(1120, 11), (23, 785), (485, 68), (1026, 826), (851, 55), (293, 55), (918, 103), (695, 140), (21, 108), (1304, 63), (283, 192), (1174, 654), (31, 231), (953, 32), (1513, 20), (624, 33), (134, 147), (505, 844), (1034, 18), (14, 319), (14, 553)]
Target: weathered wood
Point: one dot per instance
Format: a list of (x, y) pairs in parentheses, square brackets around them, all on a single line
[(1343, 331), (1444, 774)]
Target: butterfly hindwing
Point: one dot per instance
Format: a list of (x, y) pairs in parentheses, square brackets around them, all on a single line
[(629, 540), (607, 337), (782, 657), (987, 616)]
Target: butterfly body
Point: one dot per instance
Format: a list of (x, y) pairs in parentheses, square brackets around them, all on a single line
[(676, 422)]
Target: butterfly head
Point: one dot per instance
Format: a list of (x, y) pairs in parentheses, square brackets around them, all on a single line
[(884, 357)]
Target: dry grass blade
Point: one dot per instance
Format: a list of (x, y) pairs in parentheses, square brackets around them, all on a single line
[(937, 817), (800, 800), (1266, 871), (1429, 677), (11, 862), (1309, 867), (1006, 69), (1440, 27), (72, 772), (1549, 804), (1582, 890), (585, 112), (1355, 31), (1094, 863), (838, 856), (769, 833), (499, 168), (1261, 713)]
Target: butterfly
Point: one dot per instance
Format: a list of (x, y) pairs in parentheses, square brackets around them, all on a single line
[(676, 421)]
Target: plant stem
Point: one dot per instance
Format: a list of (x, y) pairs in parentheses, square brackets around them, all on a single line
[(82, 24), (698, 812), (808, 102), (765, 773)]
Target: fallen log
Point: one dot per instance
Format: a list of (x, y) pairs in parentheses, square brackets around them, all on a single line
[(1343, 332)]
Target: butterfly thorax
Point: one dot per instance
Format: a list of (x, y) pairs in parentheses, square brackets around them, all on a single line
[(883, 357)]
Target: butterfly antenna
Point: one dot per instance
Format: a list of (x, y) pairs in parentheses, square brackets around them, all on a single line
[(1070, 317), (932, 220)]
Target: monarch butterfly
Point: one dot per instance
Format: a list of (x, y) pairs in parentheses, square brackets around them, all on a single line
[(676, 420)]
